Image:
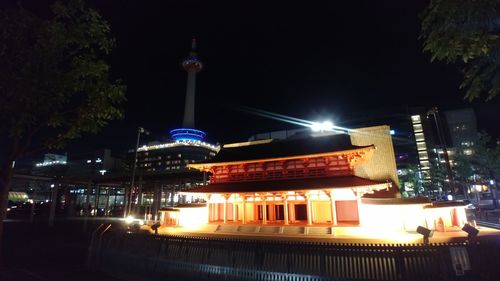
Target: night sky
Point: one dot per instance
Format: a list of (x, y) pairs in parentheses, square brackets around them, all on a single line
[(312, 60)]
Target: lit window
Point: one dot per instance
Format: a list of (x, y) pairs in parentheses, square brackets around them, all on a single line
[(415, 118), (421, 146), (417, 127), (419, 137)]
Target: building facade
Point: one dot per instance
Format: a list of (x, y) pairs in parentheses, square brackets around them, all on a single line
[(337, 180)]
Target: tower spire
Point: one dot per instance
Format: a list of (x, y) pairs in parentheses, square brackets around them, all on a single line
[(193, 44), (192, 65)]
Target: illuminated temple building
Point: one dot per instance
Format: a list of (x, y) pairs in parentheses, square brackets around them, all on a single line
[(332, 180)]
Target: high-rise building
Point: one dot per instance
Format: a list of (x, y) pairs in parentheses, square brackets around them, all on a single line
[(462, 127), (422, 141)]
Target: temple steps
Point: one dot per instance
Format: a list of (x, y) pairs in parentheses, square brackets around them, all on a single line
[(269, 229), (263, 229), (227, 228), (294, 230), (247, 228), (319, 230)]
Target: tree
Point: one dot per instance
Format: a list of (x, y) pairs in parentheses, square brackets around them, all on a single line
[(466, 32), (437, 177), (54, 84), (479, 163), (411, 178)]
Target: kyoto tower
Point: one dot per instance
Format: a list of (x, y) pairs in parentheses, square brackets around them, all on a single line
[(192, 65)]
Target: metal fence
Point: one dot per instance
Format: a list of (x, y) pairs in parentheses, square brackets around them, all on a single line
[(149, 257)]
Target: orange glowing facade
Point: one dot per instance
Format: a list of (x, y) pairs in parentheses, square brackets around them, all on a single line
[(305, 181), (311, 181)]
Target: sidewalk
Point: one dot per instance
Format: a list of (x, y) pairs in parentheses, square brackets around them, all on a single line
[(40, 274), (36, 252)]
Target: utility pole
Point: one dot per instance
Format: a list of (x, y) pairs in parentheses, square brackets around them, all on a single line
[(140, 130), (434, 112), (53, 202)]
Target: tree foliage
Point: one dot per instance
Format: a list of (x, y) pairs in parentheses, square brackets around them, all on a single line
[(466, 32), (480, 162), (438, 177), (411, 178), (54, 82)]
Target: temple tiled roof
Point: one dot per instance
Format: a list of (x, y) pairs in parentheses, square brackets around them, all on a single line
[(286, 148), (287, 185)]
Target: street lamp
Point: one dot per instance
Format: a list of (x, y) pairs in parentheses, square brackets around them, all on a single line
[(322, 126), (140, 130)]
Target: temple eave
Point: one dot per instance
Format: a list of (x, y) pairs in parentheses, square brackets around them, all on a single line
[(277, 186), (206, 167)]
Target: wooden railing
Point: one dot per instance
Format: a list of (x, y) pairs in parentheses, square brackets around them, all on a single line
[(147, 257), (302, 168), (282, 174)]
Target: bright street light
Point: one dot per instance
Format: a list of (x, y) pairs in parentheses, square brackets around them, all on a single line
[(322, 127)]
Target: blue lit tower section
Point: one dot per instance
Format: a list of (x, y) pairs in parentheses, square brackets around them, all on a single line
[(187, 134), (192, 65)]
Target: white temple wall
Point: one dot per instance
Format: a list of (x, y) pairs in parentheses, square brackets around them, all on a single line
[(250, 213), (392, 217), (193, 216), (382, 165), (347, 211), (321, 211), (447, 214)]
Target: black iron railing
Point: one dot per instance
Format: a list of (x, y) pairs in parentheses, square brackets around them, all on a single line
[(148, 257)]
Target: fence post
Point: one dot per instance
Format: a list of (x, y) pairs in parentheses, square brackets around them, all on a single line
[(322, 261), (259, 258), (157, 257), (91, 246), (99, 244), (400, 266)]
